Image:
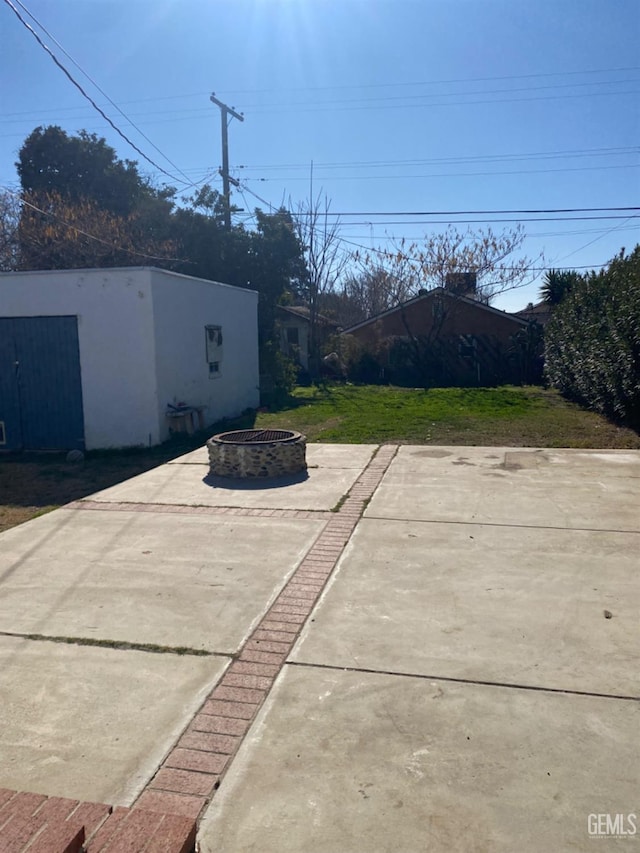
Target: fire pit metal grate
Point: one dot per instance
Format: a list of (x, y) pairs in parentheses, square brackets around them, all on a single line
[(253, 436)]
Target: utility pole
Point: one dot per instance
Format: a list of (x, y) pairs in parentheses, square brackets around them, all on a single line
[(225, 112)]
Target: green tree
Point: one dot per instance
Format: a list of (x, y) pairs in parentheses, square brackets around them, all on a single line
[(206, 248), (277, 265), (557, 284), (81, 167), (80, 181)]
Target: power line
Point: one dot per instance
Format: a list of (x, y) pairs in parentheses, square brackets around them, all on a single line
[(441, 82), (325, 103), (390, 252), (93, 82), (84, 94), (480, 158), (427, 222), (454, 94), (251, 214), (255, 195), (210, 176), (387, 253), (261, 109), (595, 239), (474, 212), (454, 174), (577, 232), (199, 94)]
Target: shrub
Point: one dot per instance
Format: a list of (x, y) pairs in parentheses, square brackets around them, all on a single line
[(278, 375), (592, 342)]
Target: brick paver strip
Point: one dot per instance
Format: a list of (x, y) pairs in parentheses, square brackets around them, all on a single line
[(192, 770), (166, 802), (209, 742), (184, 509), (232, 710), (33, 823), (246, 679), (184, 781), (255, 656), (108, 829), (64, 837), (218, 724), (135, 830), (195, 759)]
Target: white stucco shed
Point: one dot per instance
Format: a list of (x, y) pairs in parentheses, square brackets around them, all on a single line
[(119, 348)]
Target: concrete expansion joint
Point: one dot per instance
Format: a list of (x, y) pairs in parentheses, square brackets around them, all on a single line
[(195, 767), (537, 688), (120, 645)]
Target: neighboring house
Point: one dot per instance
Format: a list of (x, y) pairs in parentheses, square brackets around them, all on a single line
[(295, 323), (96, 358), (449, 337), (540, 313)]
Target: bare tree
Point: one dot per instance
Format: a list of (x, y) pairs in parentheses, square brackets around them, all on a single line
[(372, 291), (495, 260), (326, 262), (9, 222)]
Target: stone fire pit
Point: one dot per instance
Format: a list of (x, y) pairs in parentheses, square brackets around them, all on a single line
[(253, 453)]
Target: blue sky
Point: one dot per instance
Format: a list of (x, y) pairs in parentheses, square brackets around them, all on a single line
[(401, 105)]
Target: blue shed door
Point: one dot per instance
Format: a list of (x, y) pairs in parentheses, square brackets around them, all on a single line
[(10, 430), (40, 370)]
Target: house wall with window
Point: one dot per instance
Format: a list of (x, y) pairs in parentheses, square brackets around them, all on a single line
[(445, 338), (438, 313), (295, 332), (206, 345), (138, 338), (294, 337)]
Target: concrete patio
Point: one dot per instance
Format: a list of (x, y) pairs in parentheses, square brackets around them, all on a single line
[(414, 648)]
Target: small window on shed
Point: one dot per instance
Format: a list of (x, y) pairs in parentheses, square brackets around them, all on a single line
[(214, 352), (3, 435)]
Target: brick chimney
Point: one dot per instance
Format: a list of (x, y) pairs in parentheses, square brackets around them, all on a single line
[(462, 283)]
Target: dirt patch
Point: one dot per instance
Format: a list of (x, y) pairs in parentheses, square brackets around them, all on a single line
[(32, 485)]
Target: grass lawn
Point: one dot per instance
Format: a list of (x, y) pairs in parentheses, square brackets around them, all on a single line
[(510, 416), (31, 484)]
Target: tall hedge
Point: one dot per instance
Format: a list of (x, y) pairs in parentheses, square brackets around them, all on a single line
[(592, 342)]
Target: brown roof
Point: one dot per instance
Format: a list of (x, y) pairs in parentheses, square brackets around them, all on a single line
[(302, 312), (441, 291), (541, 313)]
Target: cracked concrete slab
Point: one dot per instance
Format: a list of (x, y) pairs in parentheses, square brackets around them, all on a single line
[(170, 579), (352, 762), (501, 604), (191, 485), (93, 723), (579, 489)]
